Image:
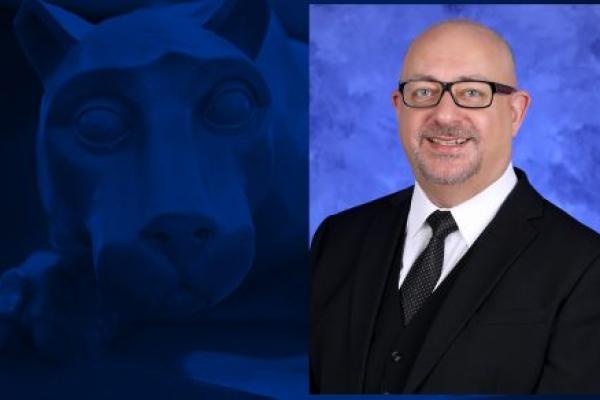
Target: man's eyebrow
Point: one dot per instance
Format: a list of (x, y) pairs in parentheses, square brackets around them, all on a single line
[(422, 77), (475, 77)]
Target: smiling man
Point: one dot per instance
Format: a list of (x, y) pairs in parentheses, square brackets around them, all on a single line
[(470, 281)]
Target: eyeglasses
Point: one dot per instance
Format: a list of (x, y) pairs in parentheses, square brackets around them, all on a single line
[(467, 94)]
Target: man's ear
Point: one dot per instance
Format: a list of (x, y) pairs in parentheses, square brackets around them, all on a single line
[(519, 103), (46, 33), (244, 23), (396, 99)]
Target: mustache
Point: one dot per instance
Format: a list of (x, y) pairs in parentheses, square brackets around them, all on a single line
[(454, 132)]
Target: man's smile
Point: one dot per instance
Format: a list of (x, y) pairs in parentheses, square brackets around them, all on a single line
[(446, 143)]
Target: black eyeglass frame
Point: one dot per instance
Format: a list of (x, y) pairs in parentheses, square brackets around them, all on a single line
[(446, 86)]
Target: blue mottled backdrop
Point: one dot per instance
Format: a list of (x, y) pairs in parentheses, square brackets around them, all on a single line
[(355, 59)]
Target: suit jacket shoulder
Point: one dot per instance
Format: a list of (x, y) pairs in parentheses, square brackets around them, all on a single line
[(576, 235), (339, 239), (365, 212)]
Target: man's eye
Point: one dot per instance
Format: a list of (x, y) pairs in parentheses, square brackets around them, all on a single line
[(423, 92), (230, 106), (100, 127), (471, 93)]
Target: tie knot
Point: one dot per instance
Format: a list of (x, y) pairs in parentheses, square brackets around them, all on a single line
[(442, 223)]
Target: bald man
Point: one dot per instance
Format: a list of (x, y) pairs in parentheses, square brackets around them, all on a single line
[(469, 281)]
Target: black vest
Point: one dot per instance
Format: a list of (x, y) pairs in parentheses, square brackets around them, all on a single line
[(394, 347)]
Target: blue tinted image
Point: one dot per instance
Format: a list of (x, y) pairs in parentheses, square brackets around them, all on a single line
[(161, 211), (356, 53)]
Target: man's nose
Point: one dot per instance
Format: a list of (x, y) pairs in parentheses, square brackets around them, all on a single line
[(446, 111)]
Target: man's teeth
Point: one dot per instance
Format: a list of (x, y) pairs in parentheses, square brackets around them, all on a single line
[(448, 142)]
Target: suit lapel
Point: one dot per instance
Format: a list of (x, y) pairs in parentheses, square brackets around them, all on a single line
[(505, 238), (384, 236)]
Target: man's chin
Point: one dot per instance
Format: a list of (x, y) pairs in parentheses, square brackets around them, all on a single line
[(445, 179), (447, 172)]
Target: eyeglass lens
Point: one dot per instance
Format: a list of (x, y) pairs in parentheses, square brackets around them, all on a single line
[(466, 94)]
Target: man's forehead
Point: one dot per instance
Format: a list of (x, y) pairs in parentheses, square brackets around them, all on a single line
[(459, 49), (460, 31), (432, 77)]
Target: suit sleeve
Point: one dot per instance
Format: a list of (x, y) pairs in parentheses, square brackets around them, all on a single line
[(573, 359), (317, 243), (315, 251)]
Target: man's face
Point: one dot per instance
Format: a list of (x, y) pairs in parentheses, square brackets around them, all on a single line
[(447, 144)]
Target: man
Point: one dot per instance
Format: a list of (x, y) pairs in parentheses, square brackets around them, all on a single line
[(470, 282)]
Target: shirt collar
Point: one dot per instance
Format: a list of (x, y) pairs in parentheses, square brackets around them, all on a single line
[(471, 216)]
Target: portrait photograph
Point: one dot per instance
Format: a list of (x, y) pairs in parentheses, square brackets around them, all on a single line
[(454, 202)]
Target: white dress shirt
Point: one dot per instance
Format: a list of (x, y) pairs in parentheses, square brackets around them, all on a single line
[(471, 216)]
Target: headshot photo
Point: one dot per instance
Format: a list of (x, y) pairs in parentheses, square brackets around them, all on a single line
[(454, 210)]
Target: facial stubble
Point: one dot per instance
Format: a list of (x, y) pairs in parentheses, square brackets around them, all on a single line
[(450, 175)]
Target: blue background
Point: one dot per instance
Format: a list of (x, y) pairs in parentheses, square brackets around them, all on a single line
[(253, 343), (356, 53), (355, 155)]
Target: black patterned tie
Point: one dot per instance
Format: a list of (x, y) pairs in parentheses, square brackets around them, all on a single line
[(426, 270)]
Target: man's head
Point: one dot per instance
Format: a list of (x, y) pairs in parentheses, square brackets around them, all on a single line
[(455, 152)]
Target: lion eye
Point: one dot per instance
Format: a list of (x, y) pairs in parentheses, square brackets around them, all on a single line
[(230, 106), (100, 127)]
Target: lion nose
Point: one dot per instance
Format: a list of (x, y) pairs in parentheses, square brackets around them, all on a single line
[(182, 228)]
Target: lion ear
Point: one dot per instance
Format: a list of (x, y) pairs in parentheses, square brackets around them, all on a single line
[(244, 23), (46, 33)]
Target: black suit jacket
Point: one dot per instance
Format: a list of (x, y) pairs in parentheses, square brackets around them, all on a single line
[(522, 316)]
